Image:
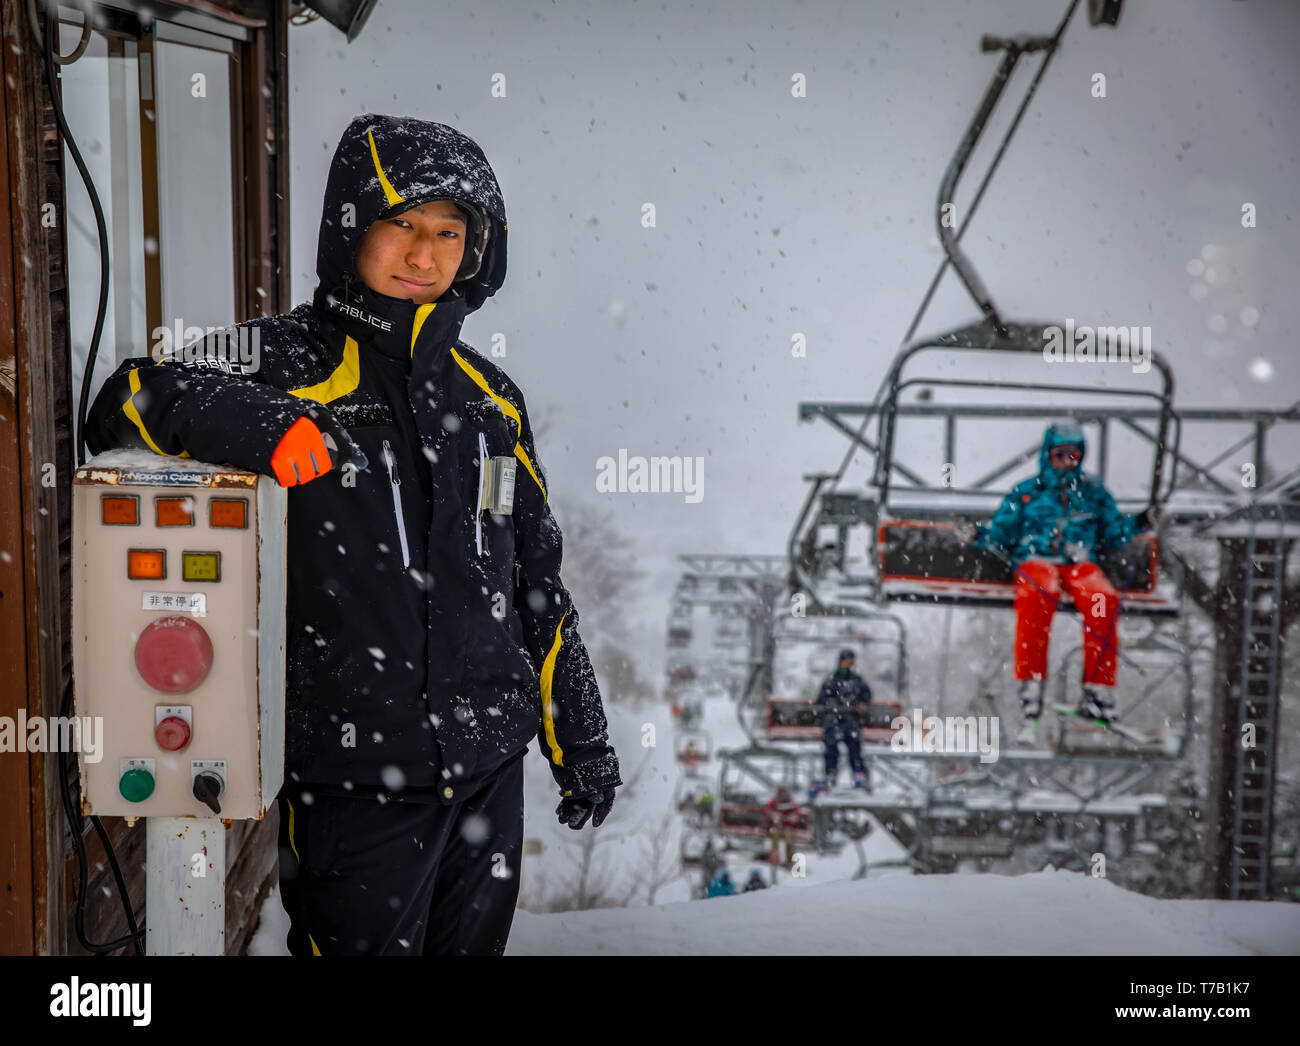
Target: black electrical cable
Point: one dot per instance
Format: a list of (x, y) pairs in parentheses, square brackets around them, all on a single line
[(74, 819), (79, 845)]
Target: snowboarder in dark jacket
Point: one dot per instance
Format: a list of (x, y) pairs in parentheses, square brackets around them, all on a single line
[(843, 699), (429, 635)]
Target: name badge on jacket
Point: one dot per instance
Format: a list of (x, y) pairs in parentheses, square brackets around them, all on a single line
[(498, 485)]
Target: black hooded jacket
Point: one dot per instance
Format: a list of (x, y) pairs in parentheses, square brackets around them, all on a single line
[(415, 660), (841, 694)]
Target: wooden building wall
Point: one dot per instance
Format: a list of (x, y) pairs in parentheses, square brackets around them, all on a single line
[(37, 862)]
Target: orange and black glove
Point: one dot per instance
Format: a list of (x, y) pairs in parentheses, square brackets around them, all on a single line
[(303, 453)]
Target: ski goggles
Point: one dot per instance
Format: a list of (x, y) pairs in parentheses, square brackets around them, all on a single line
[(477, 234), (1066, 452)]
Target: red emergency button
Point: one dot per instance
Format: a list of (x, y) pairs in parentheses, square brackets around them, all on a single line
[(173, 733), (173, 654)]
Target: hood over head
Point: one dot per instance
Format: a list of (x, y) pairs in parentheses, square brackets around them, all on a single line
[(385, 165), (1059, 432)]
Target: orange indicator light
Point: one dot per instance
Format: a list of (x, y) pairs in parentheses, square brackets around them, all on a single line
[(175, 512), (120, 509), (146, 563), (228, 512)]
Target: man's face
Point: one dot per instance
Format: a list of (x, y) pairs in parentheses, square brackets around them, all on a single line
[(1065, 456), (414, 255), (846, 662)]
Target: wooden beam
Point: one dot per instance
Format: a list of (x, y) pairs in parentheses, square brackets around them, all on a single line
[(17, 892), (40, 338)]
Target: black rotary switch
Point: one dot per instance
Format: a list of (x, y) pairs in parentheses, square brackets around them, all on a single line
[(207, 786)]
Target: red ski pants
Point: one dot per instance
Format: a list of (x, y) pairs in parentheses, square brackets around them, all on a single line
[(1038, 588)]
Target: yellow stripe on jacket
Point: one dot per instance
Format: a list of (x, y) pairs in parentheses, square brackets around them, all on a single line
[(129, 409), (315, 950), (548, 676), (344, 379), (507, 408), (390, 194)]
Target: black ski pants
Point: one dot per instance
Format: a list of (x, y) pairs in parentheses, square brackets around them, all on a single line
[(833, 732), (407, 876)]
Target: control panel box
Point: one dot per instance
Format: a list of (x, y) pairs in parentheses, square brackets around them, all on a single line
[(178, 616)]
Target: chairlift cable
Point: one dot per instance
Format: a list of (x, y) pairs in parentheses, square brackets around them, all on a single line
[(970, 214)]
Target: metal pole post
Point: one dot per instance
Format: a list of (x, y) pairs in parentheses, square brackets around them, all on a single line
[(185, 889)]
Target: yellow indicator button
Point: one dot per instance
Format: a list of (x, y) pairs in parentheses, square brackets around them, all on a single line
[(201, 566)]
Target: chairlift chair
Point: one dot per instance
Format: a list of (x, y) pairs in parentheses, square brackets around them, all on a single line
[(922, 559), (790, 717), (744, 791), (699, 740), (689, 787), (679, 637)]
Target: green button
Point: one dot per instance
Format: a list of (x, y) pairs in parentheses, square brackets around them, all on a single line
[(136, 785)]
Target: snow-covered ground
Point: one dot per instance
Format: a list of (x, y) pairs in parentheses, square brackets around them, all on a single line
[(826, 912), (1046, 913)]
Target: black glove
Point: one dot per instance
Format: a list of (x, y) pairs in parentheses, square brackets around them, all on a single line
[(1148, 518), (575, 809)]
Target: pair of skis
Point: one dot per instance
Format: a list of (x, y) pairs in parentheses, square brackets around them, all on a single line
[(1029, 732)]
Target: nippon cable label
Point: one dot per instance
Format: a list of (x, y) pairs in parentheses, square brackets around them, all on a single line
[(149, 478)]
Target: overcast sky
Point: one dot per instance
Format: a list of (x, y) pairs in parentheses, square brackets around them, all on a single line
[(779, 215)]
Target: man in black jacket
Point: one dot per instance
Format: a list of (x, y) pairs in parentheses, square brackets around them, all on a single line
[(429, 634), (843, 699)]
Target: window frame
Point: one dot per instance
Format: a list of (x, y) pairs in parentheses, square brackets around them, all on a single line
[(119, 24)]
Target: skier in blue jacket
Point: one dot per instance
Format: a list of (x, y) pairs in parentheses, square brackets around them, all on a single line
[(1051, 527), (723, 885)]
